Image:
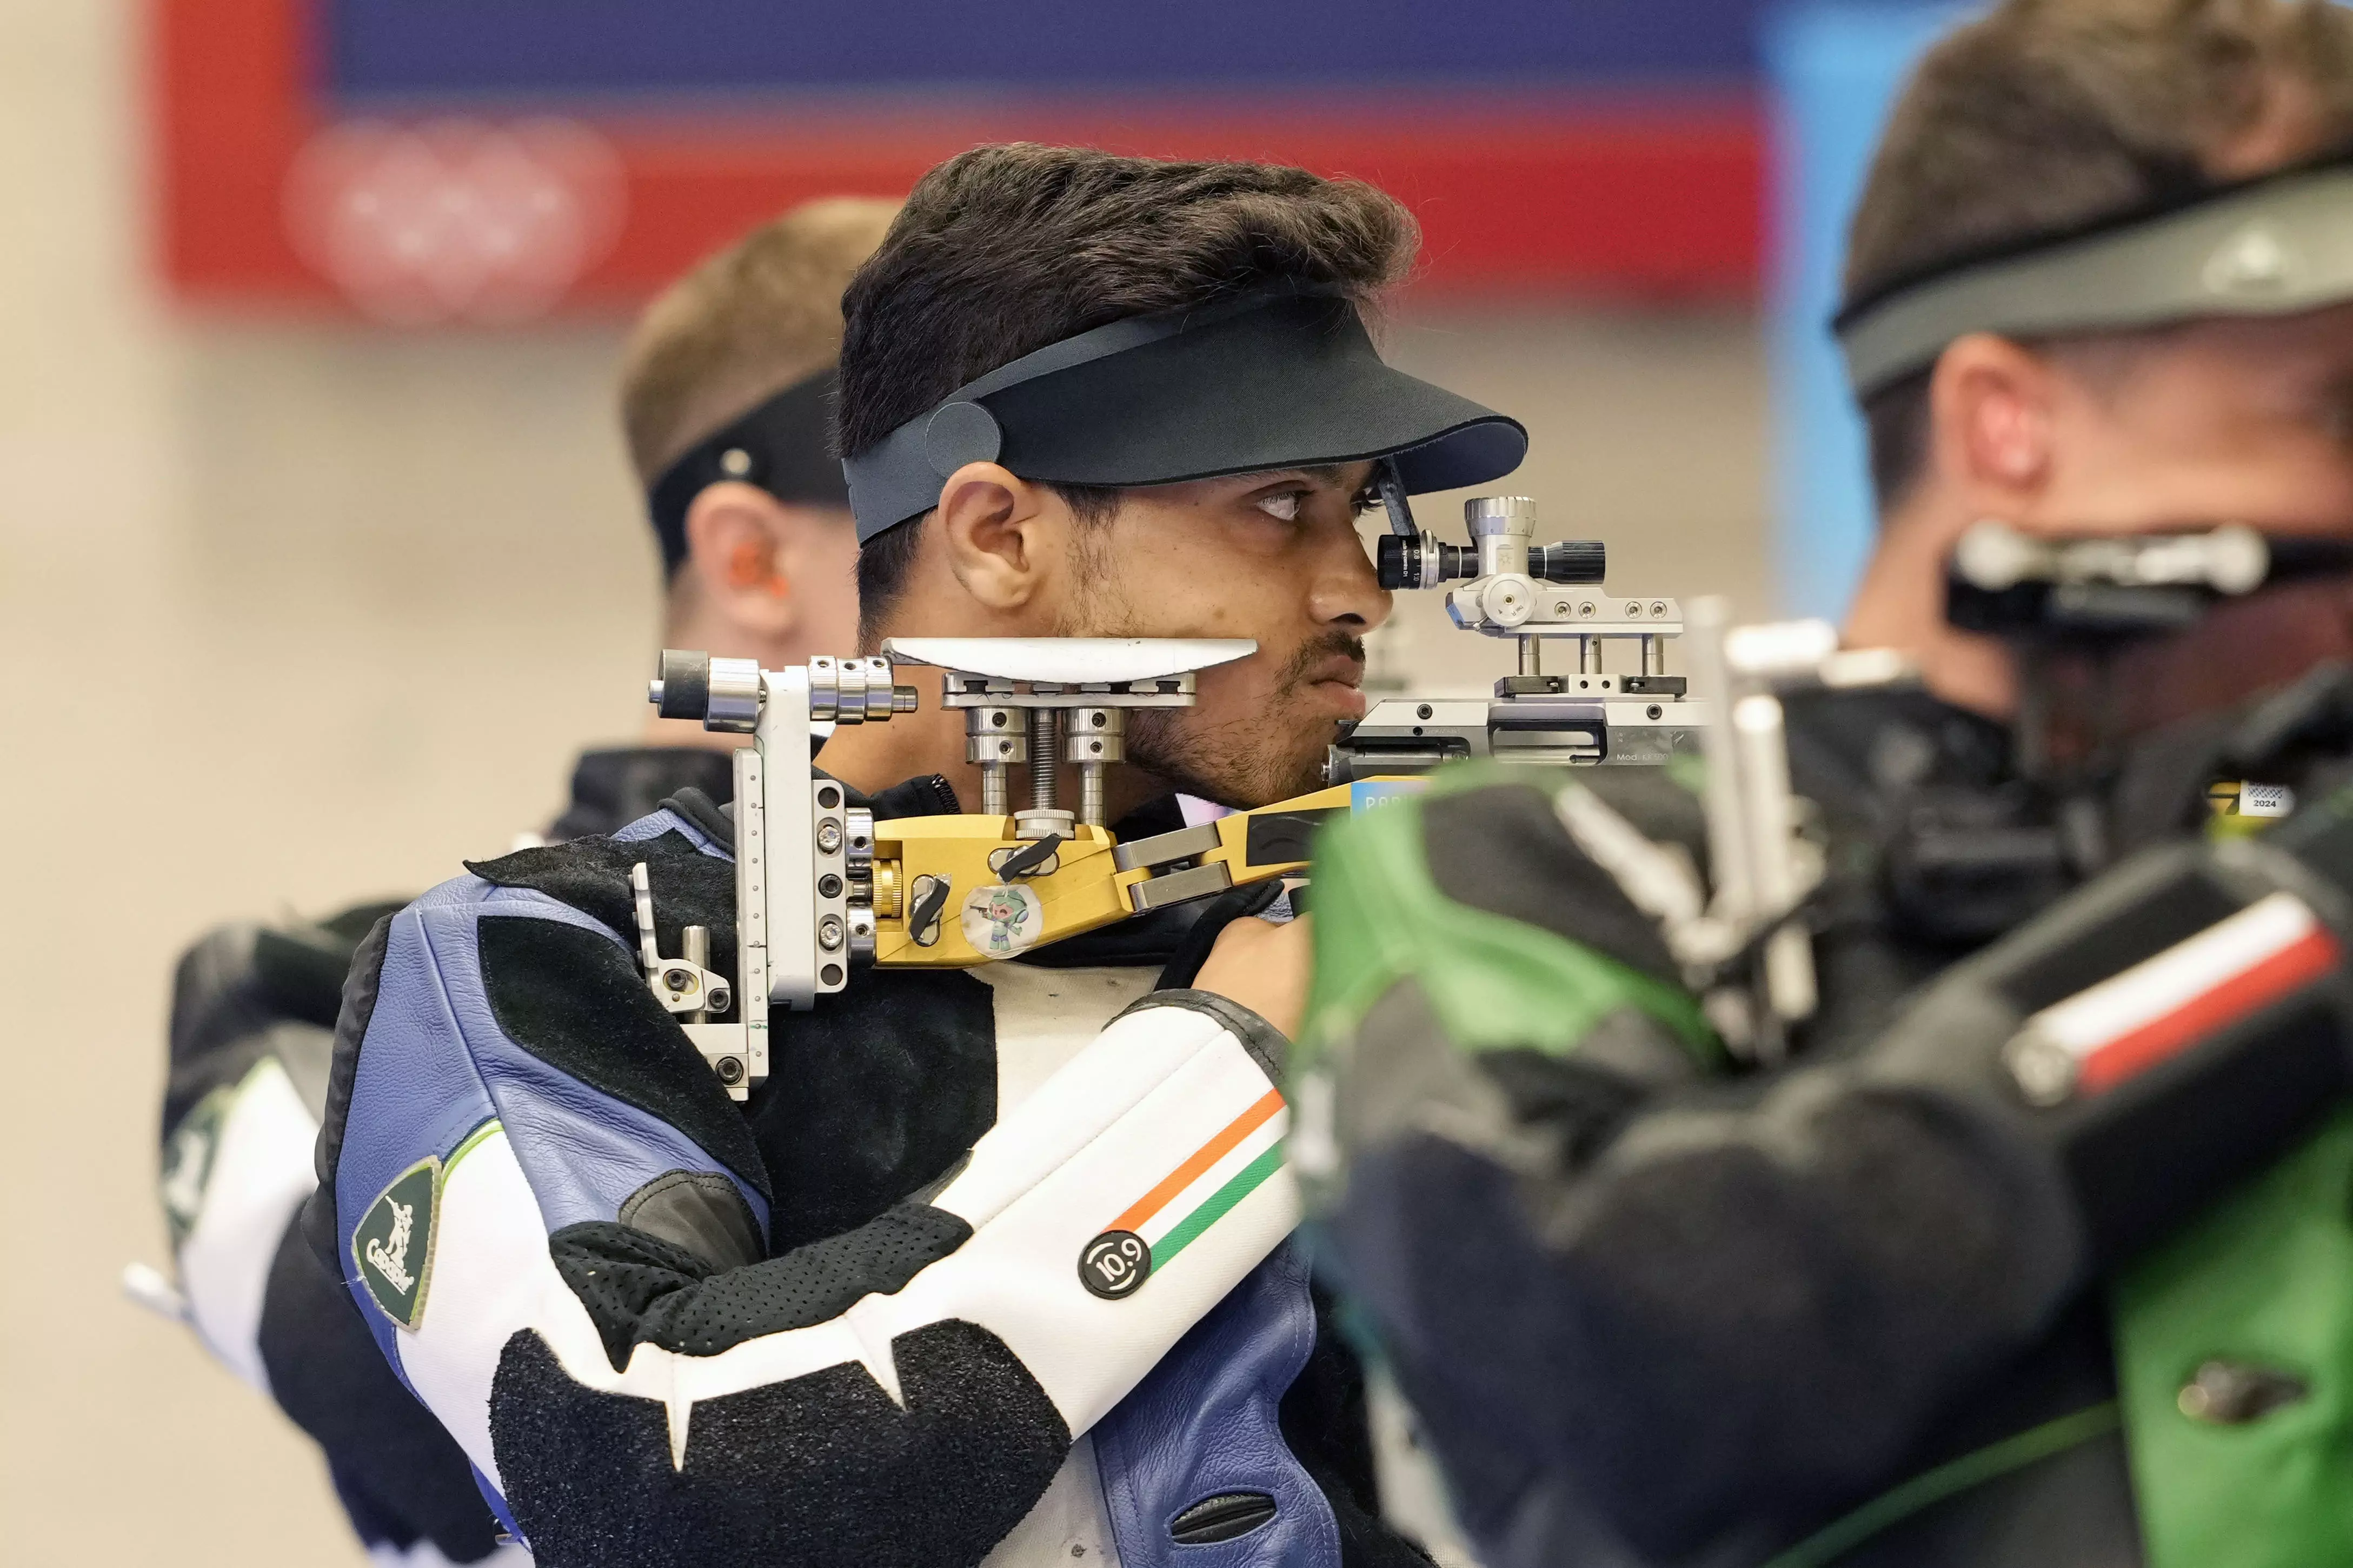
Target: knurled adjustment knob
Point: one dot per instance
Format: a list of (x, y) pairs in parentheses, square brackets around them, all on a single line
[(682, 687)]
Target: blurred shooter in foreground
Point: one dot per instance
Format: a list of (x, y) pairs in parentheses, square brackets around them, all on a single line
[(726, 401), (2034, 1250)]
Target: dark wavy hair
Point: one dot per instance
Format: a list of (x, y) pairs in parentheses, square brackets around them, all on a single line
[(1004, 249)]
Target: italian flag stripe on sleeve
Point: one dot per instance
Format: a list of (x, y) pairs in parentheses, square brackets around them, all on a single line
[(1210, 1181)]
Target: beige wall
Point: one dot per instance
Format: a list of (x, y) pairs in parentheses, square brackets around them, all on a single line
[(291, 614)]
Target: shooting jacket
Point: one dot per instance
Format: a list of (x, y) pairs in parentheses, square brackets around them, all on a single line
[(843, 1322)]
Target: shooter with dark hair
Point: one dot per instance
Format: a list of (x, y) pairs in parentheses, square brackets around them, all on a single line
[(825, 1296), (1977, 1196)]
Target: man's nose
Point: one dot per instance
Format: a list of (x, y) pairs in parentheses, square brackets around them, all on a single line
[(1345, 592)]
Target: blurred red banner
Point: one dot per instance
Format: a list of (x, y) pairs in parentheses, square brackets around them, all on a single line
[(269, 193)]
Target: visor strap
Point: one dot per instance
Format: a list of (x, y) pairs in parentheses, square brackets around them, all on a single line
[(1391, 485), (779, 444)]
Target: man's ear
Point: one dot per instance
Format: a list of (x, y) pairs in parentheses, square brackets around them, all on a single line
[(1992, 406), (1003, 536), (735, 541)]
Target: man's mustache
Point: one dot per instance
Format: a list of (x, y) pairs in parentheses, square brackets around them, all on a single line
[(1315, 652)]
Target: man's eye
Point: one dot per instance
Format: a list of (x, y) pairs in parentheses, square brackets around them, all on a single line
[(1283, 505)]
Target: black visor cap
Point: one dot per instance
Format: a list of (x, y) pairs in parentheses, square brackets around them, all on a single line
[(1293, 382)]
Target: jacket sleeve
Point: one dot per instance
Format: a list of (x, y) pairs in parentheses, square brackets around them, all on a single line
[(1687, 1305), (250, 1048), (1690, 1308), (238, 1127), (553, 1220)]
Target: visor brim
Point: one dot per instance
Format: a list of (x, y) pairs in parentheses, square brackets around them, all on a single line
[(1293, 384)]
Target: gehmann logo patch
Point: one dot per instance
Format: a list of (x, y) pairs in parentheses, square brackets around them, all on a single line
[(393, 1247)]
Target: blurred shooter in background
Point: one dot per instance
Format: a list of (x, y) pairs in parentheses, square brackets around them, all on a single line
[(2046, 1263), (727, 404)]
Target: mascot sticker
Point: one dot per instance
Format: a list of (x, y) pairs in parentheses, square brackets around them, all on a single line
[(1002, 918)]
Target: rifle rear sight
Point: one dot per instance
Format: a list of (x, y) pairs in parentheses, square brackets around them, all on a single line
[(1512, 587)]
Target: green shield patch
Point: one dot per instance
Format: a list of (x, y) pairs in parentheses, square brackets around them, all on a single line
[(393, 1247)]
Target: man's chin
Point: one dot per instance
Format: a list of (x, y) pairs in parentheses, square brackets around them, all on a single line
[(1289, 777), (1277, 757)]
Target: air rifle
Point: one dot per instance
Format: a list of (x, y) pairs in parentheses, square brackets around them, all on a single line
[(824, 889)]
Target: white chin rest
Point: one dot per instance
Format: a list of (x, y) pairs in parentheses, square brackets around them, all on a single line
[(1070, 661)]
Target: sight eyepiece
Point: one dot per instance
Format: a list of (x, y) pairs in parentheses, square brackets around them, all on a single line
[(1418, 561)]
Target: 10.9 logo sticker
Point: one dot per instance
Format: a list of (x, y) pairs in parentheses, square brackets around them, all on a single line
[(1115, 1264)]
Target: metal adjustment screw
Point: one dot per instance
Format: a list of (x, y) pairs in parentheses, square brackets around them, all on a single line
[(729, 1070), (828, 838), (829, 886), (1044, 732), (735, 701), (830, 933), (1033, 824), (1508, 600), (995, 741), (1658, 606), (1096, 738), (824, 689)]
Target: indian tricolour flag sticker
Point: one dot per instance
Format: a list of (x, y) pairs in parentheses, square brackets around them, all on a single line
[(2127, 1024), (1183, 1205)]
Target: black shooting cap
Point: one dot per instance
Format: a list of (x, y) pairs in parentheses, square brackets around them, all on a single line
[(782, 443), (1280, 378)]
